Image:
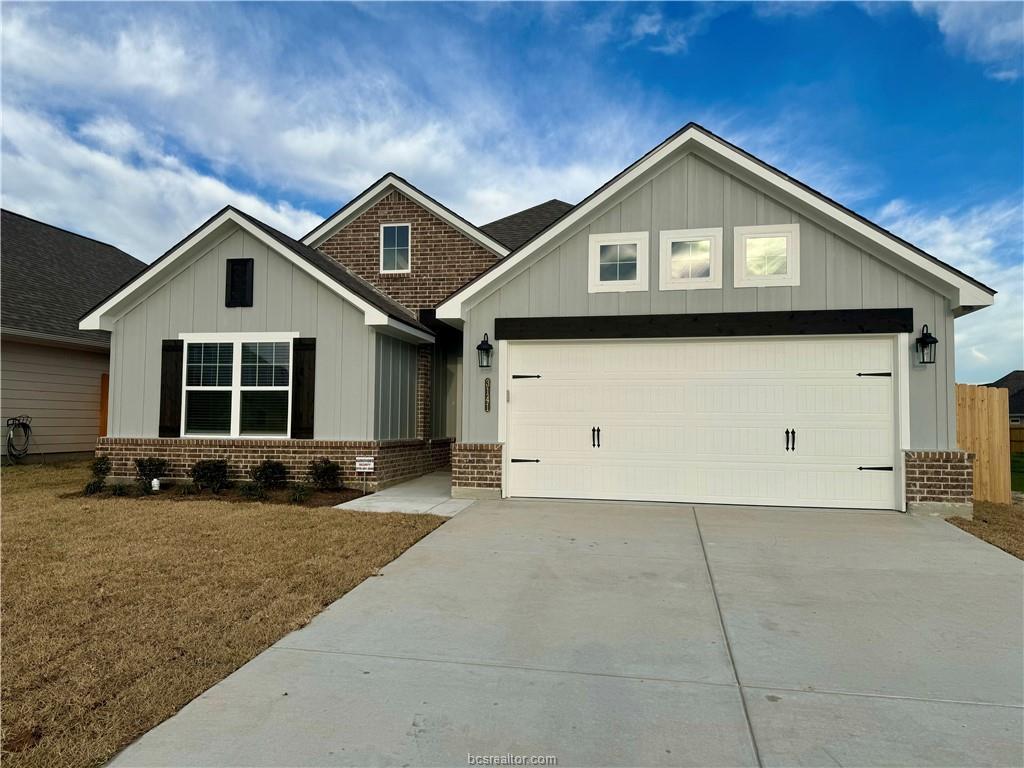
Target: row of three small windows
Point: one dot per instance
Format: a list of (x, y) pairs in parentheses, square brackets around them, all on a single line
[(691, 259)]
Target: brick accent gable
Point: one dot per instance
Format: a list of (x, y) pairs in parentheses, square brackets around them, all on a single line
[(442, 258)]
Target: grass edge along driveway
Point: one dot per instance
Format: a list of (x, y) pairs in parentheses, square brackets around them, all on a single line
[(117, 612)]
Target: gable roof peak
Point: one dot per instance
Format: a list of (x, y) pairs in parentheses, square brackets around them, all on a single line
[(966, 293), (372, 194)]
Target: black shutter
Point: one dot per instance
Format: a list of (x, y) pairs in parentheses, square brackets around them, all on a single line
[(238, 283), (172, 357), (303, 381)]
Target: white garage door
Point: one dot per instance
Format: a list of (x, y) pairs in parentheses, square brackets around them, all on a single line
[(773, 422)]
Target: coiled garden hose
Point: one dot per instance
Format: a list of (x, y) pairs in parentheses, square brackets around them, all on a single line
[(19, 436)]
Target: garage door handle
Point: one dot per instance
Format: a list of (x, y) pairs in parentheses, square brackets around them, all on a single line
[(593, 437), (598, 437), (787, 439), (794, 440)]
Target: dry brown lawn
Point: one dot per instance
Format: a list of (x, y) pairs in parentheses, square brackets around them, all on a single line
[(1001, 525), (116, 612)]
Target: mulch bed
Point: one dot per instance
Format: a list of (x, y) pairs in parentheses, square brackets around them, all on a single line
[(1001, 525), (234, 493)]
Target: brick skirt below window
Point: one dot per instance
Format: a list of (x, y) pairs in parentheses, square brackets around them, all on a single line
[(476, 465), (395, 460), (940, 476)]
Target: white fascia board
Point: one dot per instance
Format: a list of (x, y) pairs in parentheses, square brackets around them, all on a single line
[(368, 198), (103, 317), (967, 292)]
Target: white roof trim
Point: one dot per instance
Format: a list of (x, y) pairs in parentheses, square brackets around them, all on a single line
[(967, 293), (103, 317), (378, 190)]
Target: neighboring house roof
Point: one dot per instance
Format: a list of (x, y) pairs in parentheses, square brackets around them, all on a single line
[(518, 228), (378, 309), (965, 292), (384, 186), (50, 276), (1014, 382)]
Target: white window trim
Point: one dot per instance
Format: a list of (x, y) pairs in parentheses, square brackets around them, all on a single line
[(236, 388), (594, 282), (792, 234), (380, 238), (669, 236)]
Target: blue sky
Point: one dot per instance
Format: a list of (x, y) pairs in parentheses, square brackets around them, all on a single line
[(132, 123)]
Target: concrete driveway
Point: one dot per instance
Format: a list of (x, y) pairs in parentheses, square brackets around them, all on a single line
[(641, 634)]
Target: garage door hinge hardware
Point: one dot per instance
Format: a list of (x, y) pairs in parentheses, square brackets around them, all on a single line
[(526, 461), (886, 373), (525, 375), (875, 469)]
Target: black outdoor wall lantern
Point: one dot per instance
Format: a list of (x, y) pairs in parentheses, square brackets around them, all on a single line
[(926, 344), (483, 351)]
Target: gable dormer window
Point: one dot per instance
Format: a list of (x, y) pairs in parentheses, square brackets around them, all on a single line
[(394, 248)]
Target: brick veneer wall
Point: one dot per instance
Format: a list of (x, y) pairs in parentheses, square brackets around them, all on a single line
[(476, 465), (442, 258), (424, 361), (939, 476), (396, 460)]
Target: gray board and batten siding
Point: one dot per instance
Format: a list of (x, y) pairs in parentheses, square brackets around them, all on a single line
[(285, 299), (693, 191)]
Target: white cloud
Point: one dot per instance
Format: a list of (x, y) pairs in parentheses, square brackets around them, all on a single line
[(321, 135), (986, 242), (991, 33), (792, 143), (143, 209), (768, 9)]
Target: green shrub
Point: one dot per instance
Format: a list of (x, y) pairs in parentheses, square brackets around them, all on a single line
[(94, 486), (325, 474), (253, 491), (101, 467), (210, 475), (187, 489), (270, 474), (120, 489), (149, 469), (299, 493)]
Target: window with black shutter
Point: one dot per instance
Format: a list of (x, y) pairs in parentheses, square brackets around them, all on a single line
[(238, 285)]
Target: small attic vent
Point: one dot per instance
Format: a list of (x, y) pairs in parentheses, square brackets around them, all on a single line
[(238, 285)]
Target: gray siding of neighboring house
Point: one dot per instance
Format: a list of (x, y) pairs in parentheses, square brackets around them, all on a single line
[(59, 388), (693, 192), (285, 299), (395, 389)]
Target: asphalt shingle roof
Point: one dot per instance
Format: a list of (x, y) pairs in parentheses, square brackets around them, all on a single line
[(516, 229), (49, 277), (1014, 382)]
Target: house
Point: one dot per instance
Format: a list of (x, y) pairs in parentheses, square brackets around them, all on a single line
[(1014, 383), (701, 328), (49, 369)]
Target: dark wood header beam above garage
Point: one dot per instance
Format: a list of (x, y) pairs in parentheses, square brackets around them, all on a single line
[(801, 323)]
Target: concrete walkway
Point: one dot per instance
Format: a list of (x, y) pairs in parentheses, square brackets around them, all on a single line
[(430, 494), (641, 635)]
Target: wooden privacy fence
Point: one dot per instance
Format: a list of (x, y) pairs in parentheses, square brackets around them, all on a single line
[(983, 428), (1016, 439)]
